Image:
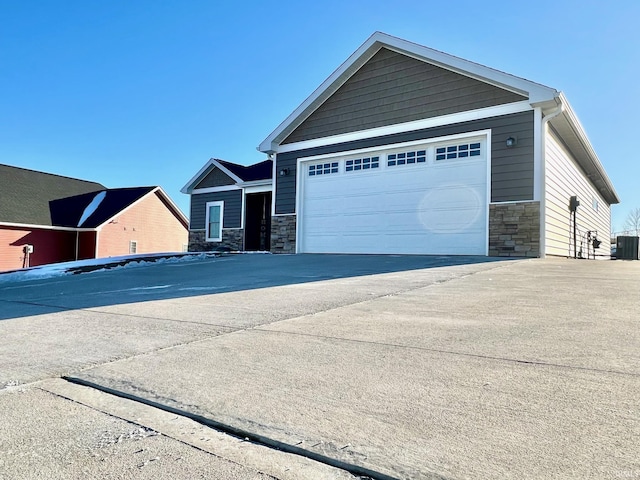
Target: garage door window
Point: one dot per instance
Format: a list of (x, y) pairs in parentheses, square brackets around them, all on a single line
[(323, 169), (458, 151), (366, 163), (406, 158)]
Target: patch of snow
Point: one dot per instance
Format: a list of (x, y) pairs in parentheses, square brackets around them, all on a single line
[(66, 268), (91, 208)]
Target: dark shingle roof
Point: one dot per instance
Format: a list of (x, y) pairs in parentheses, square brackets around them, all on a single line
[(25, 194), (67, 212), (257, 171)]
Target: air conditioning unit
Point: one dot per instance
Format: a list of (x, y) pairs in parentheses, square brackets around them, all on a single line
[(628, 248)]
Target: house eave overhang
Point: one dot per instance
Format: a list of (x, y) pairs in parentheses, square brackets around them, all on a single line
[(45, 227), (573, 134), (534, 92), (257, 183)]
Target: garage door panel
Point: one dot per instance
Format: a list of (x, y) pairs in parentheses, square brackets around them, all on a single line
[(434, 208)]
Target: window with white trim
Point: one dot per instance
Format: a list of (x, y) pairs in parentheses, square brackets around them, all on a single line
[(133, 246), (463, 150), (323, 169), (365, 163), (406, 158), (595, 204), (214, 221)]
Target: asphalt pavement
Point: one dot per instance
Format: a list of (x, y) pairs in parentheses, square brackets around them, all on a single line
[(311, 366)]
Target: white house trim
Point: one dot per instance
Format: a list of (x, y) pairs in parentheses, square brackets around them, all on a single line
[(46, 227), (220, 204), (467, 116), (424, 141), (224, 188), (258, 189)]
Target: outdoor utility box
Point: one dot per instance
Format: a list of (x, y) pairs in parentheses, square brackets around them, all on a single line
[(628, 248)]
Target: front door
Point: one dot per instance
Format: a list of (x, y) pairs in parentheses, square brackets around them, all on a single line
[(257, 228)]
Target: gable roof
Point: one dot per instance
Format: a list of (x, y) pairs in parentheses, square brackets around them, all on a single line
[(240, 174), (535, 92), (548, 99), (251, 173), (29, 197), (25, 194), (92, 210)]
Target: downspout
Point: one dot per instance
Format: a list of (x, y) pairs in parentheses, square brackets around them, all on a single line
[(543, 197)]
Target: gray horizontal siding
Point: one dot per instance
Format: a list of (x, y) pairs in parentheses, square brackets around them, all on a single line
[(215, 178), (232, 208), (393, 88), (511, 168)]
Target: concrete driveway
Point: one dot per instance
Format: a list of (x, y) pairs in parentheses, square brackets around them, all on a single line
[(394, 367)]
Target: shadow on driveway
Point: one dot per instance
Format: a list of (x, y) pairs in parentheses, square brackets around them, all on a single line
[(226, 273)]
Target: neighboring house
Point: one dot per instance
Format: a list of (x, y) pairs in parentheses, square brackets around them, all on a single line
[(66, 219), (409, 150), (230, 206)]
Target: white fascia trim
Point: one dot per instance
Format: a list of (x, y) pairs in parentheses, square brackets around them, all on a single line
[(538, 165), (328, 87), (488, 192), (582, 137), (534, 91), (45, 227), (424, 141), (511, 202), (212, 161), (275, 183), (224, 188), (243, 212), (467, 116), (266, 181), (258, 189), (284, 214)]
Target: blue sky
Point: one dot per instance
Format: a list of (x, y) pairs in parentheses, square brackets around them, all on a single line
[(144, 92)]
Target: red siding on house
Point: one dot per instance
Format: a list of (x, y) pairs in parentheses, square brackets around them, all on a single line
[(49, 246), (86, 245), (149, 222)]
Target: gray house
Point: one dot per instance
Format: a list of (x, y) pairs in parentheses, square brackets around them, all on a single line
[(230, 206), (408, 150), (405, 149)]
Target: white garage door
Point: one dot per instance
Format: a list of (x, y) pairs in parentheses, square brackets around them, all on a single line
[(424, 199)]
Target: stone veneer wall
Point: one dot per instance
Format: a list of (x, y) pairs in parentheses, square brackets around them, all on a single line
[(232, 238), (283, 234), (514, 229)]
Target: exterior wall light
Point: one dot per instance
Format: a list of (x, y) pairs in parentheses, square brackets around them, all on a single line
[(511, 142), (284, 172)]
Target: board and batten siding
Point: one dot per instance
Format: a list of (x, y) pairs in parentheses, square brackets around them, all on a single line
[(512, 169), (232, 208), (564, 178), (393, 88)]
